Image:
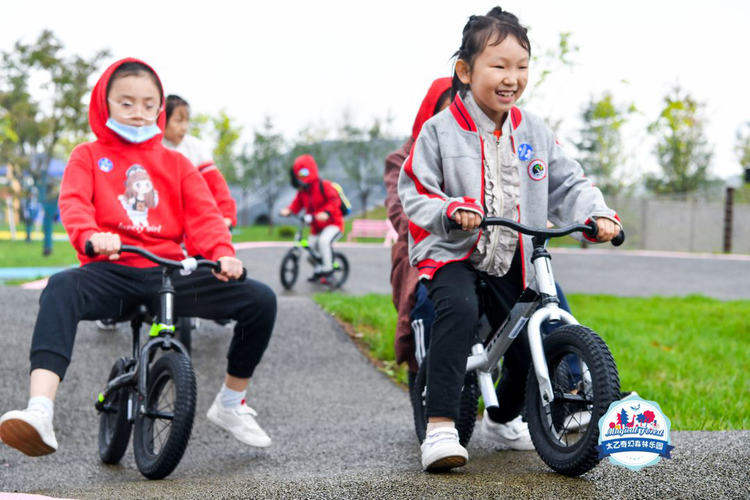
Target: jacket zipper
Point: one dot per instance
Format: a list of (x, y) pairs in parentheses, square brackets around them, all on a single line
[(496, 233)]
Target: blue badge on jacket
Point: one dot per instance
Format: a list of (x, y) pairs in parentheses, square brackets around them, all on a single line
[(105, 165), (525, 151)]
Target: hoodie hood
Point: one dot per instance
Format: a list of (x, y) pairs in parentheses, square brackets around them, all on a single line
[(427, 109), (99, 111), (305, 164)]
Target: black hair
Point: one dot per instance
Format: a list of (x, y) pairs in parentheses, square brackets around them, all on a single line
[(480, 31), (133, 68), (174, 102), (294, 181)]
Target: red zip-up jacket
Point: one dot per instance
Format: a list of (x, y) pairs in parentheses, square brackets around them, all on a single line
[(312, 199), (147, 194)]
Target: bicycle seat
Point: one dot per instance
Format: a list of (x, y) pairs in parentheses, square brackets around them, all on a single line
[(141, 310)]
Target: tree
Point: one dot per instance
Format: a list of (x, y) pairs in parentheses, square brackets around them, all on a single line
[(222, 131), (264, 171), (682, 150), (742, 148), (601, 143), (53, 123), (361, 152), (311, 141)]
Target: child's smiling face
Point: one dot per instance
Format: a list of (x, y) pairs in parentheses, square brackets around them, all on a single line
[(498, 77)]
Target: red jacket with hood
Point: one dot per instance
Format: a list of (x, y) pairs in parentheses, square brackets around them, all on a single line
[(404, 278), (149, 195), (312, 199)]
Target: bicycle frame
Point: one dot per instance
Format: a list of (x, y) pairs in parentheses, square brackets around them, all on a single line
[(530, 311), (161, 332)]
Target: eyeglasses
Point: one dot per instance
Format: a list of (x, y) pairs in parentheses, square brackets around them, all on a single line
[(128, 109)]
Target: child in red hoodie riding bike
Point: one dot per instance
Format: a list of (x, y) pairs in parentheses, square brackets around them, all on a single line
[(127, 188), (321, 200)]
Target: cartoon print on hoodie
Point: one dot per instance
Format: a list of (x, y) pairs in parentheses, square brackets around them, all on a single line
[(139, 196)]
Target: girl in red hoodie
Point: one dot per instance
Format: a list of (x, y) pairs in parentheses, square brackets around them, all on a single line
[(320, 200), (126, 188)]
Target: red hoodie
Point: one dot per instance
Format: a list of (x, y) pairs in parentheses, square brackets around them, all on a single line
[(312, 199), (106, 188), (404, 278)]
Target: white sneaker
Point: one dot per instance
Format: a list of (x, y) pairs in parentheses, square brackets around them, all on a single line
[(442, 451), (514, 434), (28, 431), (239, 422), (106, 325)]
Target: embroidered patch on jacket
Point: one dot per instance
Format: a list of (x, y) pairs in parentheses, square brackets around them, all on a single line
[(537, 170), (525, 151), (105, 165)]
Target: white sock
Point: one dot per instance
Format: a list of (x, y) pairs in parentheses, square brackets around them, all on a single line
[(431, 426), (43, 404), (230, 398)]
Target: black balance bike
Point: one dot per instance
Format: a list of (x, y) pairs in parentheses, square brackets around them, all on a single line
[(572, 379), (290, 264), (156, 395)]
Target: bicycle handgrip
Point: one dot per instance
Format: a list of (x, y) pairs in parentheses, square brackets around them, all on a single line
[(242, 277), (616, 241), (89, 249)]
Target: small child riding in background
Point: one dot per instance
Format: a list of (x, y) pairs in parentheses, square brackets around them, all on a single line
[(320, 199)]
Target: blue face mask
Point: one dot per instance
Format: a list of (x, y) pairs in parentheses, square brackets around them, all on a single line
[(133, 134)]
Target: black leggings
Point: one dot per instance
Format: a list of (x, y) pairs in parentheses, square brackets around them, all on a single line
[(107, 290), (453, 293)]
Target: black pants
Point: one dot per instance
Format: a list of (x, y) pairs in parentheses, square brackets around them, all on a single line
[(454, 295), (107, 290)]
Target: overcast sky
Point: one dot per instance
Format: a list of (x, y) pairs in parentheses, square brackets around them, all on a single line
[(304, 62)]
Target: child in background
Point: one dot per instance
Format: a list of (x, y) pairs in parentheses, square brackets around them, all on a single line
[(320, 200), (176, 137), (126, 188), (415, 311), (484, 157)]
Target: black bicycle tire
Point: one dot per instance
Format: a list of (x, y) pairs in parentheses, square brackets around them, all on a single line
[(338, 256), (467, 413), (114, 428), (177, 367), (289, 284), (582, 456), (184, 333)]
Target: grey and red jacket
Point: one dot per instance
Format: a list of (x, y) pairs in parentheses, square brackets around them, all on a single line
[(445, 172)]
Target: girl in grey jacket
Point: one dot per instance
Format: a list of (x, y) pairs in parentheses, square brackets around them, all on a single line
[(484, 156)]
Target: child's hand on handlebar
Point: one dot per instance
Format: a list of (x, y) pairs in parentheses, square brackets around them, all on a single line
[(608, 229), (285, 212), (467, 219), (106, 244), (231, 268)]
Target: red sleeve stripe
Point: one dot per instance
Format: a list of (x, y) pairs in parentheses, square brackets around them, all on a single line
[(410, 172), (417, 232)]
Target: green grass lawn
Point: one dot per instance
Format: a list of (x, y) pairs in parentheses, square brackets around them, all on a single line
[(22, 254), (691, 355)]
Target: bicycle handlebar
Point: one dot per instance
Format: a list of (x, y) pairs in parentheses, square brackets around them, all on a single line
[(172, 264), (590, 229)]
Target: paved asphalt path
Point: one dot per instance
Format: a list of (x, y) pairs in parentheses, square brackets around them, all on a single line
[(578, 271), (341, 429)]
